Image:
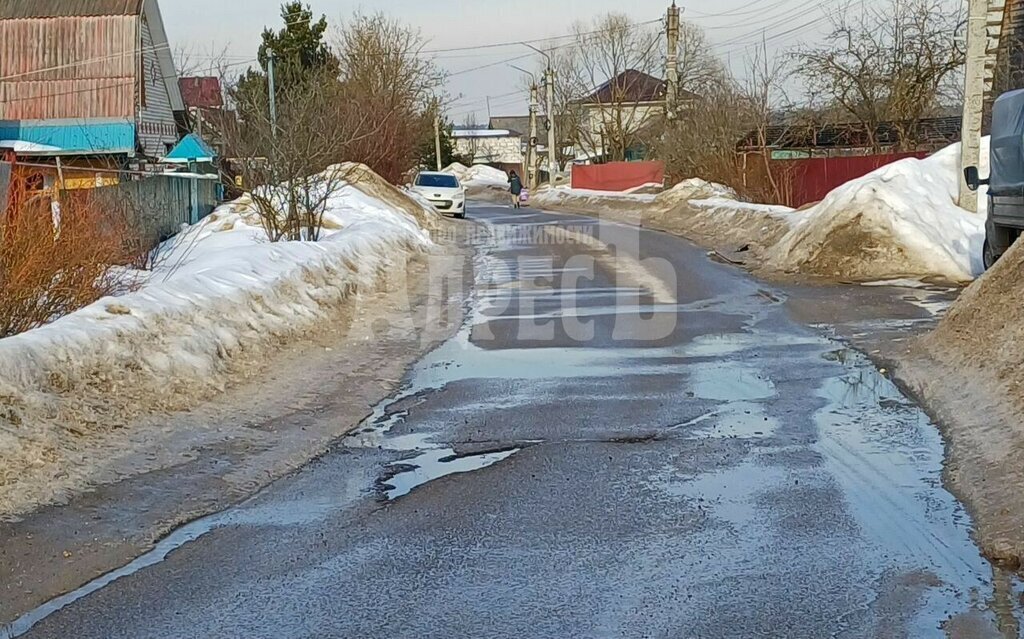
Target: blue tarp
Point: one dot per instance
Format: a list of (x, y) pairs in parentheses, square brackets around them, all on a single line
[(70, 137), (191, 148)]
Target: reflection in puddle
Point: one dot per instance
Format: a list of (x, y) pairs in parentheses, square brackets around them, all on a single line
[(436, 463), (730, 381)]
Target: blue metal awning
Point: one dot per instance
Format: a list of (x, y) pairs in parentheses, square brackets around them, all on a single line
[(68, 137), (191, 148)]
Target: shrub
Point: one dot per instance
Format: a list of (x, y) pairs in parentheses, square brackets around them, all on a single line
[(54, 263)]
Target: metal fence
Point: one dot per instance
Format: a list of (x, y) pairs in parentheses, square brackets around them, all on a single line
[(156, 206)]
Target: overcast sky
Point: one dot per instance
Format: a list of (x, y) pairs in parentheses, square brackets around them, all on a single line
[(732, 26)]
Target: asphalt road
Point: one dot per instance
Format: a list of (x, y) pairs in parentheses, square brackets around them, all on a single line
[(645, 446)]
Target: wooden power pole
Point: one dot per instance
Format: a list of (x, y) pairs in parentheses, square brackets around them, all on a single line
[(549, 85), (531, 150), (974, 97), (672, 62)]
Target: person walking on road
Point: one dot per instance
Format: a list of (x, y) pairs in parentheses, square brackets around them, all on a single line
[(515, 188)]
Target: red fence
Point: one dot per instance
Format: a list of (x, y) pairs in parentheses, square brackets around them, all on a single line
[(617, 176), (806, 181)]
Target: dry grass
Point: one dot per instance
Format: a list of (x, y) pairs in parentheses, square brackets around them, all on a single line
[(48, 270)]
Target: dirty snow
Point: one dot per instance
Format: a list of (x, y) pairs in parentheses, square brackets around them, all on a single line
[(565, 195), (695, 189), (901, 219), (219, 290)]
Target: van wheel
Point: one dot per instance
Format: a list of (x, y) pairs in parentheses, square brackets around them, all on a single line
[(988, 256)]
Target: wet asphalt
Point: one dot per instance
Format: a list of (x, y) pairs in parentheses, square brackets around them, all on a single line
[(592, 455)]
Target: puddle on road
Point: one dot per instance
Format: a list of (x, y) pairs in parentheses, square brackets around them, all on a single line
[(730, 381), (741, 420), (434, 464)]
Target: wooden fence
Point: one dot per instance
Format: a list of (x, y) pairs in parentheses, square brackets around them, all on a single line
[(157, 206)]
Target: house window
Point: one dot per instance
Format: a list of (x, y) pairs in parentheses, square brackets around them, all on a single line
[(168, 147)]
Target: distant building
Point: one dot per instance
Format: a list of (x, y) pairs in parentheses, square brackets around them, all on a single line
[(500, 148), (91, 82), (612, 122), (786, 142), (204, 101)]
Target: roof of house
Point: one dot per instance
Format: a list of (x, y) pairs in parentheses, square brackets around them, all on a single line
[(518, 124), (851, 135), (633, 86), (17, 9), (61, 137), (201, 92), (477, 132), (191, 148), (89, 67)]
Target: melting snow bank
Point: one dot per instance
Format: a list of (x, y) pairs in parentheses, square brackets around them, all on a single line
[(968, 371), (899, 220), (481, 180), (220, 292)]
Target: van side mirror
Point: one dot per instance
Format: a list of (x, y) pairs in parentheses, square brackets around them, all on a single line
[(972, 178)]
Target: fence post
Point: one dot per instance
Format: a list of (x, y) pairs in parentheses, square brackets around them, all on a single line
[(193, 192)]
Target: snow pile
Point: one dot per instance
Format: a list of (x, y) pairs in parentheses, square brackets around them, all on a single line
[(725, 208), (458, 169), (483, 175), (478, 175), (220, 294), (694, 189), (901, 219), (586, 199)]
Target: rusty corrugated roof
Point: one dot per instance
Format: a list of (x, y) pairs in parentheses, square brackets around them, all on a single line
[(201, 92), (89, 70), (18, 9)]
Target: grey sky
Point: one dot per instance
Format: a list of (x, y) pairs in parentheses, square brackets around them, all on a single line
[(209, 25)]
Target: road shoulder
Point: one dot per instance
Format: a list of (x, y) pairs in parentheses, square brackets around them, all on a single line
[(289, 410)]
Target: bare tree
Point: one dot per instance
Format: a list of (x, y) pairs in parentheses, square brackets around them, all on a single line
[(291, 169), (885, 64), (604, 89), (383, 71), (764, 96)]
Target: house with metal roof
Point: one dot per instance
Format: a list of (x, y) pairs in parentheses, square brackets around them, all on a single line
[(102, 91), (614, 120)]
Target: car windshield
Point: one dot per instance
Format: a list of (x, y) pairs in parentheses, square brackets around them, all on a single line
[(437, 181)]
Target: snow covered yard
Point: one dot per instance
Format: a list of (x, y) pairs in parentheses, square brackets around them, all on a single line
[(219, 293)]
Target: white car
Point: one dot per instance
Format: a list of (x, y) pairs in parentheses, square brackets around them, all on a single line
[(443, 190)]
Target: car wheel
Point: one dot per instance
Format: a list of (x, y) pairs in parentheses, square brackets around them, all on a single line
[(988, 256)]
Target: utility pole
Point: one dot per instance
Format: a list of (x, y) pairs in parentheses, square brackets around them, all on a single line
[(272, 89), (531, 149), (974, 97), (437, 133), (549, 84), (672, 62)]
